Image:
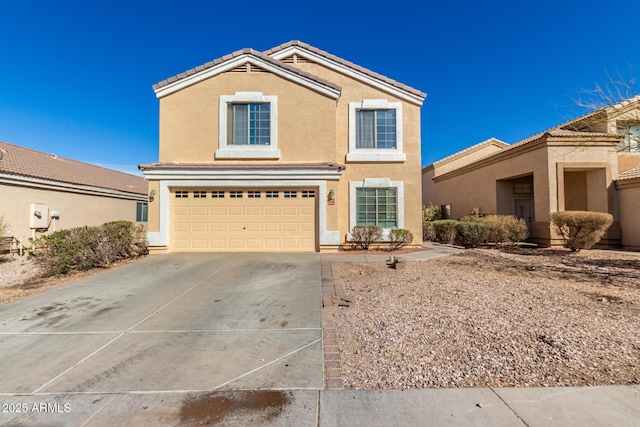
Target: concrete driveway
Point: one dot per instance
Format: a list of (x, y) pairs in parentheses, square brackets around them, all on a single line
[(167, 324)]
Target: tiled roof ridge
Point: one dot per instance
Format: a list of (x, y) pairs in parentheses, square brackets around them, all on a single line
[(237, 53), (28, 162), (629, 174), (347, 63), (466, 150)]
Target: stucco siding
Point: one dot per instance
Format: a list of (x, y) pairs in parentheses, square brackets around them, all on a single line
[(75, 210)]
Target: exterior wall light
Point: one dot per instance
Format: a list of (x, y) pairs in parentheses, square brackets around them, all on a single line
[(331, 197)]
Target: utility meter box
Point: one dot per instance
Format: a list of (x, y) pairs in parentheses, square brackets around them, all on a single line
[(39, 217)]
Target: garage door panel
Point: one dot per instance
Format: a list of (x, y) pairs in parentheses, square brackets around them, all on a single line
[(235, 226), (236, 210), (218, 211), (272, 210), (254, 210), (290, 210), (243, 223), (218, 227), (199, 227), (199, 210), (181, 227), (271, 226)]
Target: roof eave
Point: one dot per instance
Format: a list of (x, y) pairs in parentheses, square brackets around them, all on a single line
[(229, 62)]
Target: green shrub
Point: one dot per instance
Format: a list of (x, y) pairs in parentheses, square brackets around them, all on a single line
[(428, 232), (502, 228), (364, 235), (472, 234), (431, 212), (445, 230), (399, 238), (581, 229), (83, 248)]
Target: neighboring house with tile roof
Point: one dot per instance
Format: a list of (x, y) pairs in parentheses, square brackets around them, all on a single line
[(588, 163), (41, 193), (283, 150)]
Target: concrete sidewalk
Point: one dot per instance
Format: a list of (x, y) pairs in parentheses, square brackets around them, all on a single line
[(431, 251), (583, 406)]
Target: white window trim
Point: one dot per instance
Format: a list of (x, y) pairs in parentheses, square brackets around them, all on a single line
[(226, 151), (375, 154), (376, 183)]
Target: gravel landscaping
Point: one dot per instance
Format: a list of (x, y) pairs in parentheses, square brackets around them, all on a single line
[(491, 318)]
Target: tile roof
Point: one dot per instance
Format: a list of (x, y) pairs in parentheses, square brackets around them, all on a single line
[(242, 52), (629, 174), (490, 141), (347, 64), (21, 161)]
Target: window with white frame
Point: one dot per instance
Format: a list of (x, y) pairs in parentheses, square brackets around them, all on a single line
[(377, 206), (376, 201), (251, 124), (375, 131), (248, 126)]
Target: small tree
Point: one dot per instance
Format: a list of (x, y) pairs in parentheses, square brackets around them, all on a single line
[(364, 235), (581, 229)]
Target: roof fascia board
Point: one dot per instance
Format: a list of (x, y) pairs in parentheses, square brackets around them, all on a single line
[(186, 173), (379, 84), (24, 181), (241, 60)]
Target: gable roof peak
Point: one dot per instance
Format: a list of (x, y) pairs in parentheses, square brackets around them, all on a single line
[(347, 67), (238, 58)]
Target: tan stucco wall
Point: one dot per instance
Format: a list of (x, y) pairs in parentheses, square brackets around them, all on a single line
[(408, 171), (628, 161), (189, 119), (629, 200), (76, 210), (474, 153)]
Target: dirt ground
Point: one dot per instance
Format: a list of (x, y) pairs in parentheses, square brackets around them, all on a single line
[(511, 317), (20, 277)]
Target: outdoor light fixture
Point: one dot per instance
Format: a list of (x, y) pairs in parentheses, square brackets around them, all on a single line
[(152, 195), (331, 197)]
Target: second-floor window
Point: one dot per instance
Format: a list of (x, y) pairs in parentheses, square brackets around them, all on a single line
[(251, 124), (376, 129), (631, 141), (248, 126)]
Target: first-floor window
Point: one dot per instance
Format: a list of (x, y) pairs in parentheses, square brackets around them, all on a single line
[(377, 206), (141, 211)]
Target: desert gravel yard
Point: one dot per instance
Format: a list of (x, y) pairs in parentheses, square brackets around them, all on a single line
[(491, 318)]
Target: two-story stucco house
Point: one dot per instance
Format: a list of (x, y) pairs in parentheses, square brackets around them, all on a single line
[(283, 150)]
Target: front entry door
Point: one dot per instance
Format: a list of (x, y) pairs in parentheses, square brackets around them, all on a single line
[(523, 208)]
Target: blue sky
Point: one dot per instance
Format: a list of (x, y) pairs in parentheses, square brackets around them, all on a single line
[(76, 76)]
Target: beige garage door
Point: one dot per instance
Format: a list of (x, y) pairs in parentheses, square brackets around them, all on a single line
[(254, 219)]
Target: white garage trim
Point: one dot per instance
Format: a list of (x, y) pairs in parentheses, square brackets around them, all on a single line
[(161, 238)]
